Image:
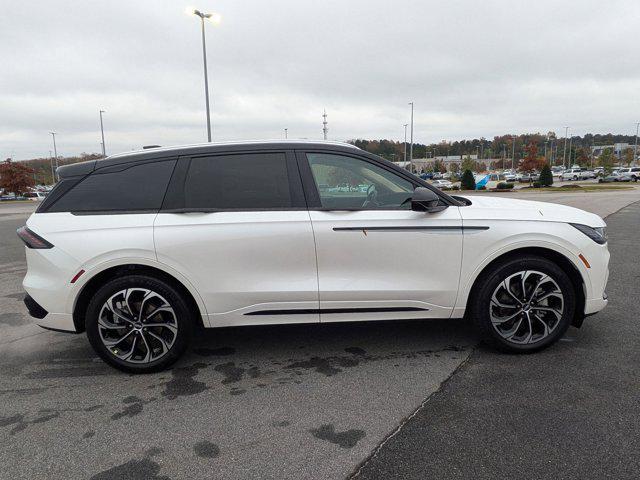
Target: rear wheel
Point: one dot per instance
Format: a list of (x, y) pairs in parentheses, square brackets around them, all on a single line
[(523, 304), (138, 324)]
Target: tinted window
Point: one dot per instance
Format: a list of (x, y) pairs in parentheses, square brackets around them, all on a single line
[(137, 187), (349, 183), (242, 181)]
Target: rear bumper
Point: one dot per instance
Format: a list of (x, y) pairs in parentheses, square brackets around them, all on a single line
[(60, 322)]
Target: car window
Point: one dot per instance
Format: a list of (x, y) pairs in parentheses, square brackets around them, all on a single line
[(349, 183), (134, 188), (238, 181)]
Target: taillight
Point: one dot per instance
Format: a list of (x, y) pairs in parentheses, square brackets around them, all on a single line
[(31, 239)]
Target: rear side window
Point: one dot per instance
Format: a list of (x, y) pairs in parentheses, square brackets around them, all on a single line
[(240, 181), (133, 188)]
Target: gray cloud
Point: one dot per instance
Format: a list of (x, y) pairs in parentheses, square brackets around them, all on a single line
[(472, 68)]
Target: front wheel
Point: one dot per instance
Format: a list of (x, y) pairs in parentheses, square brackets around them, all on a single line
[(523, 305), (138, 324)]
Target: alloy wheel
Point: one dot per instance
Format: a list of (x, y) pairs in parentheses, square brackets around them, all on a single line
[(137, 325), (526, 307)]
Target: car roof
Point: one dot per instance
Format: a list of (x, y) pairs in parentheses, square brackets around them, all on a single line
[(84, 168)]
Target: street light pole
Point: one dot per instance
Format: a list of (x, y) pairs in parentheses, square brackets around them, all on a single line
[(213, 18), (635, 147), (564, 152), (513, 154), (55, 151), (53, 172), (285, 133), (411, 147), (405, 144), (104, 149)]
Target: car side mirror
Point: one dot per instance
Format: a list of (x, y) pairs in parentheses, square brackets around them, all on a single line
[(426, 200)]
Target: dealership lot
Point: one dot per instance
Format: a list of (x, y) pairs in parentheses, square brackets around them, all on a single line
[(271, 402)]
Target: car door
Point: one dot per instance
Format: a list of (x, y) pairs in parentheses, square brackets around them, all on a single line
[(236, 226), (378, 259)]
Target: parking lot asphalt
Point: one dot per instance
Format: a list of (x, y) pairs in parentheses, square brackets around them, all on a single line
[(308, 401), (569, 412)]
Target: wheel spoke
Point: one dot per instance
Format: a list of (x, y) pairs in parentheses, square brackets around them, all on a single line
[(500, 320), (114, 342), (508, 290)]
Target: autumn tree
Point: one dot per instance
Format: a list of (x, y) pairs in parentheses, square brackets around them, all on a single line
[(628, 156), (439, 166), (15, 177), (582, 157), (531, 161)]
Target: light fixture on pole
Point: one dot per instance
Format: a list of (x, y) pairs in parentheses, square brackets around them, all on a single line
[(55, 152), (286, 135), (215, 19), (104, 148)]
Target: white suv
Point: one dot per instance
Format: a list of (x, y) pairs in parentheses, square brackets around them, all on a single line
[(633, 172), (141, 249), (576, 174)]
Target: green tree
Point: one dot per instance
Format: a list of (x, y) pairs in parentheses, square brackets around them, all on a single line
[(546, 177), (468, 182), (468, 164), (606, 160)]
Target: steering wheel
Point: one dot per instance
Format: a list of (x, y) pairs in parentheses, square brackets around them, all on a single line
[(372, 197)]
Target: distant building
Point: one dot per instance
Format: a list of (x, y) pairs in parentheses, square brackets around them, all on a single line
[(617, 149)]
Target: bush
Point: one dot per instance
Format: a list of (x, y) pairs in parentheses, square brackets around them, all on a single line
[(504, 186), (537, 185), (455, 187), (468, 182), (483, 187), (546, 177)]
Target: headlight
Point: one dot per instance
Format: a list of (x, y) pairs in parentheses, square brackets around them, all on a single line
[(597, 234)]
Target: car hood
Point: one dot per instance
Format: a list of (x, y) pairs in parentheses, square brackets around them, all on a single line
[(498, 208)]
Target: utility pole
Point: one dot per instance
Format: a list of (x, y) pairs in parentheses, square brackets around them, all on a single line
[(570, 161), (104, 149), (635, 147), (513, 153), (545, 150), (564, 152), (325, 130), (213, 18), (55, 151), (285, 133), (53, 172), (411, 147), (405, 144)]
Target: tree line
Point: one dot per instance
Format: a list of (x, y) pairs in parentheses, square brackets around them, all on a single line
[(578, 147)]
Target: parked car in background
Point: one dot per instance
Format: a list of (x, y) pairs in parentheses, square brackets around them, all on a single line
[(615, 177), (436, 176), (633, 172), (142, 250), (557, 171), (442, 184), (529, 177), (35, 196), (574, 174)]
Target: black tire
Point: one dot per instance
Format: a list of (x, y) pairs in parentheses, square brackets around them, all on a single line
[(184, 318), (480, 302)]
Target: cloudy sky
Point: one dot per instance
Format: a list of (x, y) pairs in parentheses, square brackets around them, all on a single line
[(473, 68)]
